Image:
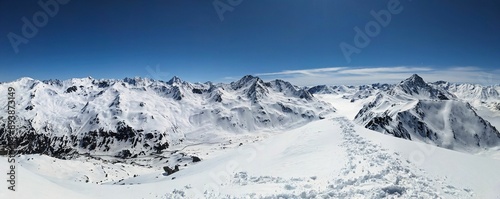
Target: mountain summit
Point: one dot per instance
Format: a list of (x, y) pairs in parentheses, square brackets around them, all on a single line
[(175, 80), (416, 87), (414, 81)]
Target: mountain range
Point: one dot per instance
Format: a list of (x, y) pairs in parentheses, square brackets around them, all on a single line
[(233, 140), (139, 116)]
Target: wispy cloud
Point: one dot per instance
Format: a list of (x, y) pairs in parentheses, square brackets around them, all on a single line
[(309, 72), (368, 75), (370, 71)]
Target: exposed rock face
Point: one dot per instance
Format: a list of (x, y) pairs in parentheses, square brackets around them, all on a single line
[(170, 171)]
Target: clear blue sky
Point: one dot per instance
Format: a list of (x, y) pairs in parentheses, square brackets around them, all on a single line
[(127, 38)]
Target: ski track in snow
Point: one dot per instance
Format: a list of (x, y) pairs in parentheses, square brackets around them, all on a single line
[(371, 172)]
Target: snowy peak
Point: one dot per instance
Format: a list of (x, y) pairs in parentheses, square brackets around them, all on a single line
[(322, 89), (251, 86), (53, 82), (175, 80), (415, 80), (132, 81), (135, 82), (290, 90), (413, 85), (416, 87), (24, 79), (245, 81), (26, 82)]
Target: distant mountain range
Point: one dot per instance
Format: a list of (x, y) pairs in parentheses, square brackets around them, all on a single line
[(136, 117)]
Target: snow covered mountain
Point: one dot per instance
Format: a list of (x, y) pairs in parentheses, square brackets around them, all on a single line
[(479, 96), (89, 138), (416, 110), (471, 92), (416, 88), (136, 117), (484, 98)]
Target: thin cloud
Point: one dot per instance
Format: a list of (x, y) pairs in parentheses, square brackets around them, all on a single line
[(369, 75), (370, 71), (465, 68), (309, 72)]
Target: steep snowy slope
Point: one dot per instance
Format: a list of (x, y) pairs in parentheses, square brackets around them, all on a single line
[(138, 117), (485, 99), (416, 110), (330, 158)]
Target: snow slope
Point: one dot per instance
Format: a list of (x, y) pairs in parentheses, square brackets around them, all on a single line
[(330, 158), (345, 106), (485, 99)]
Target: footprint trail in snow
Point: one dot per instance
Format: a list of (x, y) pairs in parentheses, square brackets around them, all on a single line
[(372, 172)]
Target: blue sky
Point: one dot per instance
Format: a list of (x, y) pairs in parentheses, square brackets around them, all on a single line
[(295, 40)]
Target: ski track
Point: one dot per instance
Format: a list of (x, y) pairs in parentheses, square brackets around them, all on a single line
[(371, 172)]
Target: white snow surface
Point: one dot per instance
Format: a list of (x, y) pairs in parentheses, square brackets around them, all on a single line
[(330, 158)]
